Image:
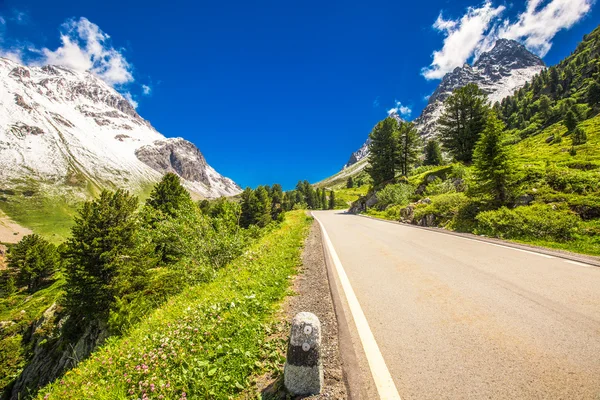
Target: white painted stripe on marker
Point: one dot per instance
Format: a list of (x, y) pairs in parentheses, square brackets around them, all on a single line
[(381, 375)]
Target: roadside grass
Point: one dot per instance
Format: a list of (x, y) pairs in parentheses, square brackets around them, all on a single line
[(204, 343)]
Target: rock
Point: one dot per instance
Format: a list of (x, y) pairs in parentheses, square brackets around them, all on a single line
[(524, 200), (430, 178), (407, 214), (303, 372), (426, 200), (428, 220)]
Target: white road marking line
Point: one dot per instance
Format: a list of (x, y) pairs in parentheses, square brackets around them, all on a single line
[(381, 375), (481, 241), (579, 263)]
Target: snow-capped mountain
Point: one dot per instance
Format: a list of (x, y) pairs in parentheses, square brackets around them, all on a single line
[(498, 72), (61, 127)]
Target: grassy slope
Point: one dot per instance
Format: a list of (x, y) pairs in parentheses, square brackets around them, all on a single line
[(338, 181), (533, 153), (206, 342)]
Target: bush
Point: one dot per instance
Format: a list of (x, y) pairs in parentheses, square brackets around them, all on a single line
[(399, 194), (444, 207), (440, 187), (538, 221), (573, 181)]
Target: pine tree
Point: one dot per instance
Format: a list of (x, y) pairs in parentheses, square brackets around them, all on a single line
[(168, 195), (101, 249), (383, 152), (409, 143), (276, 201), (263, 211), (34, 259), (349, 183), (250, 207), (593, 94), (571, 120), (433, 153), (318, 198), (331, 200), (494, 162), (323, 199), (463, 120)]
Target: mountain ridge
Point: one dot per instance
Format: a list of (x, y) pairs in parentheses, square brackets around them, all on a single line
[(66, 128)]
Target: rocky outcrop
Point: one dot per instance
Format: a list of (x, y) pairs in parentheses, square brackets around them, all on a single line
[(52, 353), (185, 159)]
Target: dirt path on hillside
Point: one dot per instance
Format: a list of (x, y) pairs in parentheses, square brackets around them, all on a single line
[(10, 231)]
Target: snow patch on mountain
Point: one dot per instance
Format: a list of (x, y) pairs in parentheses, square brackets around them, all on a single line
[(63, 127)]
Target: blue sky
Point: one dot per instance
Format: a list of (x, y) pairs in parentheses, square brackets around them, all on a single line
[(277, 91)]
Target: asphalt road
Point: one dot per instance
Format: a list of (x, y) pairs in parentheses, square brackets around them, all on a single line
[(457, 318)]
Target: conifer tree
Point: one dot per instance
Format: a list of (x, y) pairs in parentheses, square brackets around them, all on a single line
[(433, 153), (463, 120), (349, 183), (571, 120), (34, 259), (408, 143), (384, 159), (324, 199), (168, 195), (102, 249), (250, 207), (494, 162), (263, 211), (276, 201), (331, 200), (593, 94)]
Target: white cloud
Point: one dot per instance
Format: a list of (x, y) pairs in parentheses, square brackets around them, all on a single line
[(130, 99), (85, 47), (400, 109), (477, 30), (537, 26), (146, 90), (463, 36)]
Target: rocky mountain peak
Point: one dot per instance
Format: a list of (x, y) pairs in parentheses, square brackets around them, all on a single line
[(498, 72)]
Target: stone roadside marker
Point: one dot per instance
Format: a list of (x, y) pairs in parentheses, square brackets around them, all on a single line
[(303, 372)]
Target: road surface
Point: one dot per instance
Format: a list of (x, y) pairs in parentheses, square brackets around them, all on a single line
[(457, 318)]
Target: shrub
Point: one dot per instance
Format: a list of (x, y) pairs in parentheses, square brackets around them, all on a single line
[(578, 136), (572, 181), (440, 187), (538, 221), (445, 207), (399, 193)]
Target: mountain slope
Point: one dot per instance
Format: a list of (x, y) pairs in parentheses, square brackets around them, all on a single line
[(71, 132), (499, 72)]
